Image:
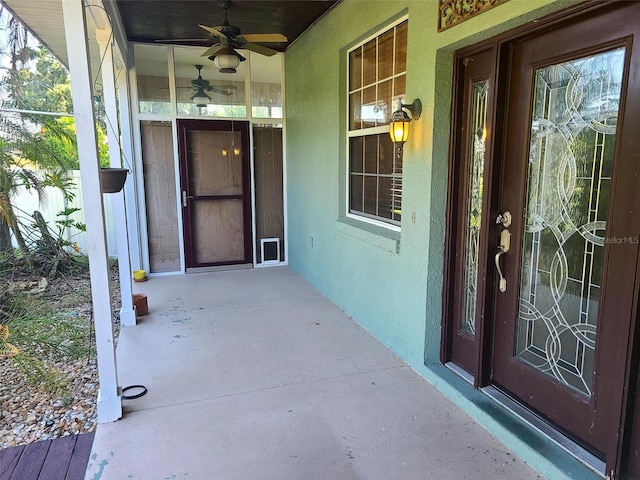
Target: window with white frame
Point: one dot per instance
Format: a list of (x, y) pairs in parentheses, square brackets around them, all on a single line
[(377, 80)]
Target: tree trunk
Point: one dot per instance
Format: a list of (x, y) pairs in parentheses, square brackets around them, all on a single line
[(5, 238), (17, 233)]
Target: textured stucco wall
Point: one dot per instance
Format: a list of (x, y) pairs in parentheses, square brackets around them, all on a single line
[(389, 282)]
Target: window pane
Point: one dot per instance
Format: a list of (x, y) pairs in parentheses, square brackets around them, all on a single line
[(401, 48), (385, 205), (355, 107), (396, 200), (386, 155), (369, 110), (266, 86), (384, 103), (152, 73), (369, 63), (226, 91), (355, 69), (385, 56), (370, 195), (356, 146), (356, 189), (371, 154), (399, 90)]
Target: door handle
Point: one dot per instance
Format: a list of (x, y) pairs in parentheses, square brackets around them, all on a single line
[(503, 247), (184, 199)]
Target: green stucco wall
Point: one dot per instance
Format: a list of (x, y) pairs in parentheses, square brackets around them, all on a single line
[(389, 282)]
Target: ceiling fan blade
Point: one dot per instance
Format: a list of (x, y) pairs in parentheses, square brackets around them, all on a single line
[(264, 37), (205, 41), (258, 49), (213, 31), (212, 50), (221, 91)]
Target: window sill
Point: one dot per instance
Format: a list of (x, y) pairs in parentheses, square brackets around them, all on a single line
[(375, 235)]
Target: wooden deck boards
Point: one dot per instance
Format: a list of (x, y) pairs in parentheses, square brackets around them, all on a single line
[(63, 458)]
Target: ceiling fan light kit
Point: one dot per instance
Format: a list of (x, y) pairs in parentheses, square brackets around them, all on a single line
[(200, 99), (227, 59), (226, 38)]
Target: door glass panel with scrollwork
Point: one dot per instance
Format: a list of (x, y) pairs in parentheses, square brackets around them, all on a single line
[(477, 133), (573, 134)]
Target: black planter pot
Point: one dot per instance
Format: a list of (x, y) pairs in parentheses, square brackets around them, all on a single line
[(112, 179)]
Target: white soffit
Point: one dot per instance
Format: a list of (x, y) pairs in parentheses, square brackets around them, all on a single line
[(44, 19)]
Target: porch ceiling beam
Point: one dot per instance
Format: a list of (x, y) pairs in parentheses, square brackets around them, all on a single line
[(109, 403)]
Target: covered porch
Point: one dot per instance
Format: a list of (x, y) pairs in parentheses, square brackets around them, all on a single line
[(255, 374)]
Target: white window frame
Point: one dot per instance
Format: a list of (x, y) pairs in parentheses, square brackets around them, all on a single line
[(363, 132)]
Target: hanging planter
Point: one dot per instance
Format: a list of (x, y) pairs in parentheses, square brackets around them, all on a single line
[(112, 179)]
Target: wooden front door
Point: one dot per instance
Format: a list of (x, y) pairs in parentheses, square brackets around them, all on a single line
[(544, 254), (215, 189)]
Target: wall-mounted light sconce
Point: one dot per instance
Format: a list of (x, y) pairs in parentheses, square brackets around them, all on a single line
[(400, 120)]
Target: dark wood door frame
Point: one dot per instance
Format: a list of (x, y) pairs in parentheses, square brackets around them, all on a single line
[(624, 425), (185, 126), (470, 67)]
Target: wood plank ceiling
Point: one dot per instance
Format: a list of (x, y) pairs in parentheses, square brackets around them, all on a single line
[(151, 21)]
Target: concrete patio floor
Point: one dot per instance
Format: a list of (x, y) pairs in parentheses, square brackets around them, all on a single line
[(253, 374)]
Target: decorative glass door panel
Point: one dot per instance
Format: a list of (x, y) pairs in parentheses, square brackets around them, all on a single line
[(573, 134), (542, 304), (467, 215), (477, 134), (565, 168)]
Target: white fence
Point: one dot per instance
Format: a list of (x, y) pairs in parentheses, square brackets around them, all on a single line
[(26, 202)]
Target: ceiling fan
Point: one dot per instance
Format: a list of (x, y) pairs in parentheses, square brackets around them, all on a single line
[(201, 86), (226, 38)]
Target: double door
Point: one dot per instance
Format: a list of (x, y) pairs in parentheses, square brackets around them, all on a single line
[(544, 224)]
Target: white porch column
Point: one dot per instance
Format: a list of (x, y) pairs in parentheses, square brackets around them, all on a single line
[(130, 190), (127, 312), (109, 395)]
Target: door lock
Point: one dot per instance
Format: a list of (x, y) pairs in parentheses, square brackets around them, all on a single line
[(504, 219)]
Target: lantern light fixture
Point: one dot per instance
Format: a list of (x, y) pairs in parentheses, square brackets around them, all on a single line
[(200, 98), (400, 120), (227, 59)]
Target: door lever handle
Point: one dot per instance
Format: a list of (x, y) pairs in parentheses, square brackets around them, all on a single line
[(502, 286), (505, 243), (184, 198)]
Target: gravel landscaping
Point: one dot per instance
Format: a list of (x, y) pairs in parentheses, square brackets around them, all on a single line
[(27, 412)]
